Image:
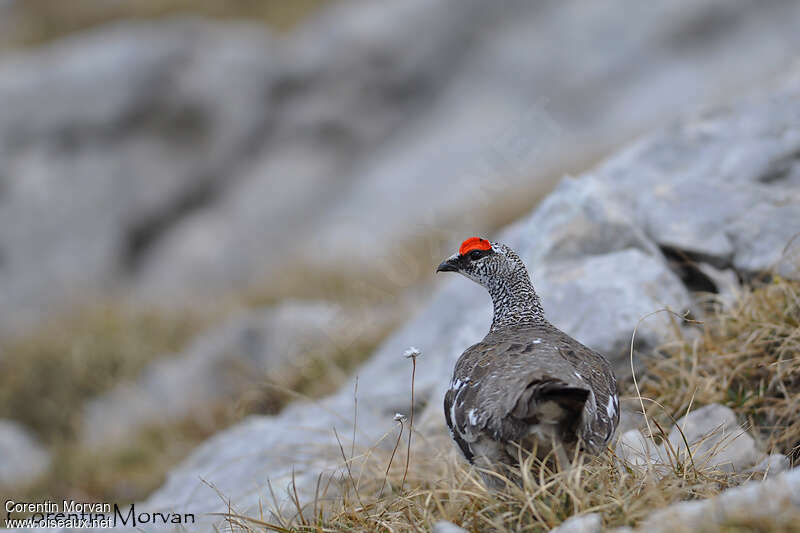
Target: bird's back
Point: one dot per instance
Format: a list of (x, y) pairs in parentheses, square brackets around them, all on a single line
[(531, 380)]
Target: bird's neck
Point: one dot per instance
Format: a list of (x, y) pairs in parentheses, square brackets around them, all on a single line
[(515, 303)]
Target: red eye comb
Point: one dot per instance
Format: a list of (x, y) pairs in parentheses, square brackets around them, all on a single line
[(474, 243)]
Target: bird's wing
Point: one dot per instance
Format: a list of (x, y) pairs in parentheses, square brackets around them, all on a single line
[(449, 415), (603, 415), (501, 384)]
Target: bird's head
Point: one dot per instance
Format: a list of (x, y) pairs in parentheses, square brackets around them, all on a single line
[(484, 262)]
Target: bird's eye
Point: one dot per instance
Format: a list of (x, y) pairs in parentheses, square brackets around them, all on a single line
[(475, 254)]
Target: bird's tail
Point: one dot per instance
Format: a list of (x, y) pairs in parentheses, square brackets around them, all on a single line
[(550, 401)]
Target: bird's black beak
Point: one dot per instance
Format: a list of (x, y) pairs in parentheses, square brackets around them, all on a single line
[(451, 264)]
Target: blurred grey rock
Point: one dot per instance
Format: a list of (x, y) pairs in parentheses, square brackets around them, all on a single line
[(107, 137), (726, 283), (175, 157), (768, 236), (533, 113), (747, 504), (22, 458), (242, 354), (637, 451), (349, 80), (8, 19), (587, 523), (443, 526), (721, 188), (600, 300), (772, 465), (582, 217), (630, 416), (715, 440)]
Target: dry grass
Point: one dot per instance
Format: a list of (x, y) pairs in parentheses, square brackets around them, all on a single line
[(440, 486), (38, 21), (127, 472), (545, 498), (46, 376), (745, 358), (314, 374)]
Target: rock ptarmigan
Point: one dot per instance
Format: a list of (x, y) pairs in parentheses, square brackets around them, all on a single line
[(527, 383)]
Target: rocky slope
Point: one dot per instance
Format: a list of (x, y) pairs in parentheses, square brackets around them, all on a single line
[(23, 457), (601, 249), (227, 363), (174, 162), (175, 158)]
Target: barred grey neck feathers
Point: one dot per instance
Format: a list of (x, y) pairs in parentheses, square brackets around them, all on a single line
[(513, 296)]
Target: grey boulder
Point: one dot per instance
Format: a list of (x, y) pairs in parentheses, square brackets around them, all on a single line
[(174, 157), (636, 451), (443, 526), (748, 504), (715, 442), (722, 188), (587, 523), (22, 458), (772, 465), (105, 139), (224, 362)]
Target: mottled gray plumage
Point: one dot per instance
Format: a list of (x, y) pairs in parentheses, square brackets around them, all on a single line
[(527, 383)]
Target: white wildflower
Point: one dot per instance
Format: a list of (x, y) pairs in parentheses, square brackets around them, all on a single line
[(411, 353)]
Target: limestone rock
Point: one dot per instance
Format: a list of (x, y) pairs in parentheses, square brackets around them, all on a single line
[(637, 451), (155, 163), (23, 458), (144, 122), (443, 526), (582, 217), (772, 465), (587, 523), (715, 440), (600, 300), (766, 237), (746, 505), (226, 361), (721, 188)]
